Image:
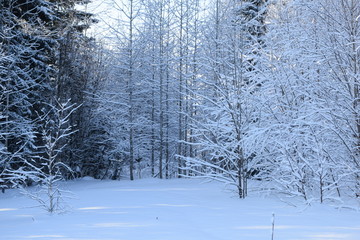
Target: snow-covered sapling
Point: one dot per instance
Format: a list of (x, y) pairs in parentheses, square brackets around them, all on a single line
[(48, 167)]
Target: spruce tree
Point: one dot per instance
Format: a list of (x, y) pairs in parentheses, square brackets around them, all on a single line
[(26, 70)]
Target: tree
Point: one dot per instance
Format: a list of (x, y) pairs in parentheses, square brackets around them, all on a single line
[(48, 168), (41, 56), (75, 53), (306, 140), (124, 79), (26, 48), (227, 102)]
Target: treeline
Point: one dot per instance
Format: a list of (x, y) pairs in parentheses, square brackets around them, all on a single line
[(225, 89), (233, 90)]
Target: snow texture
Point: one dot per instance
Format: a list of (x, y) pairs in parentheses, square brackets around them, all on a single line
[(177, 209)]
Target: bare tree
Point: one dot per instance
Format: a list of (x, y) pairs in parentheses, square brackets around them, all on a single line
[(47, 169)]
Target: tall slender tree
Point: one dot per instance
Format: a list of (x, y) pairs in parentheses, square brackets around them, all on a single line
[(230, 77)]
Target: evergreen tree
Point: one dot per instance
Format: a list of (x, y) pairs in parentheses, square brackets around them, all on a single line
[(26, 71), (32, 70)]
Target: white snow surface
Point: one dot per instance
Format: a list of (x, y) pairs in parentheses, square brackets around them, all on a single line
[(178, 209)]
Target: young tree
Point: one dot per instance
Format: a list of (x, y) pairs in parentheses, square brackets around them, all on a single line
[(48, 168)]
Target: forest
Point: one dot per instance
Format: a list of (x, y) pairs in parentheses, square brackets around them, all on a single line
[(237, 91)]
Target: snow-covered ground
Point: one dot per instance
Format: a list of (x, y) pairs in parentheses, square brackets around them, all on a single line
[(176, 209)]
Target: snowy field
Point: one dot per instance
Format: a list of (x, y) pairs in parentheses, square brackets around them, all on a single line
[(170, 210)]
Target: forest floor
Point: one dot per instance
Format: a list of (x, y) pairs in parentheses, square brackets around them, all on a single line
[(178, 209)]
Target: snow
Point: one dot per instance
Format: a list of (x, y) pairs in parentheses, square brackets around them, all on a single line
[(153, 209)]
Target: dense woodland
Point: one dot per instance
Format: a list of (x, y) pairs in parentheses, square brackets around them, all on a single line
[(231, 90)]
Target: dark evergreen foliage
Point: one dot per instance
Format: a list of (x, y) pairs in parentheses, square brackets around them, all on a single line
[(43, 61), (26, 70)]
